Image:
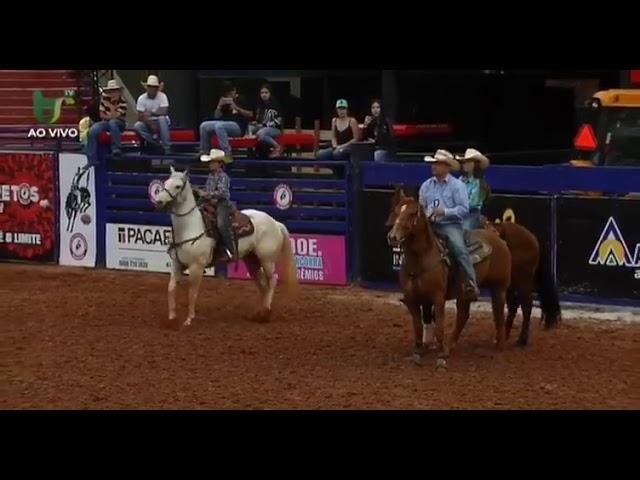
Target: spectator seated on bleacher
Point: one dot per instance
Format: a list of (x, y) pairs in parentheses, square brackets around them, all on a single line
[(378, 129), (344, 131), (153, 119), (113, 112), (231, 120), (268, 125)]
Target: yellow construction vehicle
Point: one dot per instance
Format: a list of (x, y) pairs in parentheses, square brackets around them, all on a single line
[(610, 136)]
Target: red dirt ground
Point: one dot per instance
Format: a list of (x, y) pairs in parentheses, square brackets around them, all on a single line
[(90, 339)]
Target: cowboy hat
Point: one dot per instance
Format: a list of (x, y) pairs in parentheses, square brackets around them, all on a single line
[(152, 81), (111, 85), (215, 155), (474, 155), (443, 156)]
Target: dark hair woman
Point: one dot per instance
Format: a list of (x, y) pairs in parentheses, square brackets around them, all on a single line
[(269, 120), (378, 129)]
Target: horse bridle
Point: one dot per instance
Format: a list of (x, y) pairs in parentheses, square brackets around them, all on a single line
[(174, 198)]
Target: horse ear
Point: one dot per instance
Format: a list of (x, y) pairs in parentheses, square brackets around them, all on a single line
[(186, 173), (171, 169)]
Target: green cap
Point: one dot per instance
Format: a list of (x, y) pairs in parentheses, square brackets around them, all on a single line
[(342, 103)]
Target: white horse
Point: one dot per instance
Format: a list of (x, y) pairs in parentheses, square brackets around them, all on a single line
[(192, 249)]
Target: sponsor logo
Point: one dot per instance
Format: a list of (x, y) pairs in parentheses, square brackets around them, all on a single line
[(78, 246), (283, 197), (146, 236), (611, 249)]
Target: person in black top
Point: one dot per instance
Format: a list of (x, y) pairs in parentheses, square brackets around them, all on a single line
[(344, 130), (268, 125), (231, 119), (378, 129)]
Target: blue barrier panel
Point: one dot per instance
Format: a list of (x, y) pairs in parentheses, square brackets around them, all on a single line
[(320, 202)]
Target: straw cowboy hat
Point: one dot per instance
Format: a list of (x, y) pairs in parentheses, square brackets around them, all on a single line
[(215, 155), (474, 155), (111, 86), (152, 81), (443, 156)]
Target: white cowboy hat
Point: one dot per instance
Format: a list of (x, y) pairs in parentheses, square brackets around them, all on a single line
[(474, 155), (444, 156), (152, 81), (111, 85), (215, 155)]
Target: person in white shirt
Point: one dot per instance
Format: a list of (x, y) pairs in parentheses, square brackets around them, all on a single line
[(153, 119)]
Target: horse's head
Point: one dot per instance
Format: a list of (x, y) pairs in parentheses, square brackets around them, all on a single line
[(406, 213), (174, 189), (398, 196)]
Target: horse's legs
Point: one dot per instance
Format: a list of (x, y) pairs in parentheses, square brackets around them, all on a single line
[(512, 305), (419, 350), (439, 305), (196, 272), (269, 269), (427, 324), (255, 270), (462, 316), (498, 299), (527, 305), (176, 273)]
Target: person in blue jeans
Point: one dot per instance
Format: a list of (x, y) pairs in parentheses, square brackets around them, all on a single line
[(378, 129), (153, 118), (113, 112), (269, 121), (231, 120), (445, 201), (474, 164)]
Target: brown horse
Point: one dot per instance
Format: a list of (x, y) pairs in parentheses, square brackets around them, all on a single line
[(427, 281), (530, 271)]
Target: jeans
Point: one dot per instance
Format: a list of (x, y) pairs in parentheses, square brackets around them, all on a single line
[(472, 220), (340, 153), (145, 132), (224, 224), (115, 127), (222, 130), (381, 156), (455, 241), (268, 135)]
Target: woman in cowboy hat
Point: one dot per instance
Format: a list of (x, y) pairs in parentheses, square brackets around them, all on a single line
[(113, 112), (474, 165), (153, 108), (445, 200), (218, 189)]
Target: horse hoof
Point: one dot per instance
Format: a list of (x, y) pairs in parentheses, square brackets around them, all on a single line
[(441, 365), (522, 343), (417, 359), (187, 322), (262, 316)]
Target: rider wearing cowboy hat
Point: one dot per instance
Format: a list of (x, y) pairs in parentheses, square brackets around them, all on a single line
[(218, 189), (445, 200), (474, 164)]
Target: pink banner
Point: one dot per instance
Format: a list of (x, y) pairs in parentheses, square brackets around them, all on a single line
[(320, 259)]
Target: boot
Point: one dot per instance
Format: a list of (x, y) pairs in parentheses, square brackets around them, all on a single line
[(472, 291)]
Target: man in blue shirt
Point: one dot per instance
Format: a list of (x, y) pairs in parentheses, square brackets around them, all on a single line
[(446, 202)]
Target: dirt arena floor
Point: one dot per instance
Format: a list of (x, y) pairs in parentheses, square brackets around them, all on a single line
[(90, 339)]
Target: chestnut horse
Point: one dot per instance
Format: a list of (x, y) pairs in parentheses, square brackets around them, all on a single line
[(530, 271), (427, 281)]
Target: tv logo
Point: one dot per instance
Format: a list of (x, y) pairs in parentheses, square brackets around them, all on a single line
[(48, 110)]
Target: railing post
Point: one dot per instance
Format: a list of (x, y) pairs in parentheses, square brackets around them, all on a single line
[(101, 179), (360, 153)]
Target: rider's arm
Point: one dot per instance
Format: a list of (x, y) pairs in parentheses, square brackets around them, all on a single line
[(461, 200), (218, 187), (422, 198)]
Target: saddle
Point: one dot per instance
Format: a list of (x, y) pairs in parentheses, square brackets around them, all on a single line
[(241, 225), (478, 249)]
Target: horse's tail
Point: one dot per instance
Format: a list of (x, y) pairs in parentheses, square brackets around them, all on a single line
[(548, 292), (288, 263)]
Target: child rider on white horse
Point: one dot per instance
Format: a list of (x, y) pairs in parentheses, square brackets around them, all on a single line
[(218, 189)]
